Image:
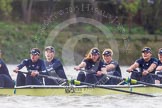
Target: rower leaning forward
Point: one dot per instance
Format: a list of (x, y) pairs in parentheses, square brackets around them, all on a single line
[(147, 64), (35, 66), (5, 78)]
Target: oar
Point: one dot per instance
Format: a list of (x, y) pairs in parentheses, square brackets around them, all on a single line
[(75, 82), (47, 76), (114, 89), (135, 71), (133, 81), (88, 71)]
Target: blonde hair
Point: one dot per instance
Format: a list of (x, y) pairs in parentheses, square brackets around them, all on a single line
[(159, 49), (107, 49)]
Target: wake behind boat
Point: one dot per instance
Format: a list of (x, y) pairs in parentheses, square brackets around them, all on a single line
[(83, 90)]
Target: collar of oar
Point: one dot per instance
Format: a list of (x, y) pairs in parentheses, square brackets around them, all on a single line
[(74, 82), (129, 80)]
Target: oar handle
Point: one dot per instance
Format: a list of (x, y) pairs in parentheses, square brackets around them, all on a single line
[(57, 79), (135, 71), (23, 72), (41, 75), (88, 71)]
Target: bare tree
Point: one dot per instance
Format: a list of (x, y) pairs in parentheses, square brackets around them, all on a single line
[(26, 9), (72, 14), (97, 16)]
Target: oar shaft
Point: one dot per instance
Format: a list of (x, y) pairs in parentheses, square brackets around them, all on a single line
[(24, 72), (133, 81), (131, 92), (148, 84), (135, 71), (155, 75), (114, 89), (88, 71), (46, 76)]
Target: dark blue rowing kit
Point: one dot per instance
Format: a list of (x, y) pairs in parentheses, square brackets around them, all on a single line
[(143, 65), (91, 68), (31, 66), (55, 69), (114, 72), (5, 78)]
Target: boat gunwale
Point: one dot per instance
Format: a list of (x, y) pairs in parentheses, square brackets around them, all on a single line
[(81, 86)]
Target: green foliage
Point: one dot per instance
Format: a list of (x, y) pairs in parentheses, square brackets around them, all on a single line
[(16, 39), (5, 7), (131, 6), (151, 15)]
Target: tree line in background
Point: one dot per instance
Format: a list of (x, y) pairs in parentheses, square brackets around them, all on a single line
[(21, 25), (145, 13)]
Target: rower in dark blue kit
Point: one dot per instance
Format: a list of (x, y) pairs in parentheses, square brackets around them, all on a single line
[(92, 64), (35, 66), (5, 78), (110, 67), (159, 68), (147, 64), (54, 66)]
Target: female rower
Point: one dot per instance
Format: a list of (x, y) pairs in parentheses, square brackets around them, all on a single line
[(159, 68), (54, 66), (5, 78), (35, 66), (91, 63), (147, 64), (110, 67)]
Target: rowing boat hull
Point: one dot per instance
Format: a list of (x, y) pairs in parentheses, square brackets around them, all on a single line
[(76, 90)]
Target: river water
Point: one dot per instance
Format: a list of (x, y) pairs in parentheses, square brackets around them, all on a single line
[(109, 101)]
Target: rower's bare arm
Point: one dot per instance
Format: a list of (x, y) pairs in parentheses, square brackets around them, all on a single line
[(159, 68), (132, 67), (103, 70), (110, 67), (152, 67), (81, 65), (16, 70)]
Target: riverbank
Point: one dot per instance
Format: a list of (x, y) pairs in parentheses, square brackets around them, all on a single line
[(16, 39)]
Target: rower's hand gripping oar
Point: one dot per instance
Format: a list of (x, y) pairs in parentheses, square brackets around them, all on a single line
[(88, 71), (58, 79), (119, 90)]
